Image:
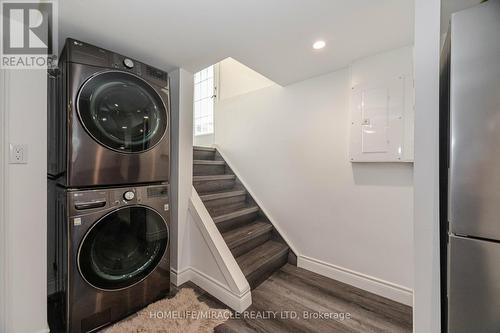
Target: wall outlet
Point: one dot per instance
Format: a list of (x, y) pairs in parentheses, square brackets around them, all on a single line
[(18, 154)]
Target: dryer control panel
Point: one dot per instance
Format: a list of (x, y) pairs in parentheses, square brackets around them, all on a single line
[(83, 53)]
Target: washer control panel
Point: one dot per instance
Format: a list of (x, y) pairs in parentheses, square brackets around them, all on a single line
[(89, 200), (84, 202)]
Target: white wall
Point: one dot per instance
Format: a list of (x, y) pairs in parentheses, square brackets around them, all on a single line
[(181, 84), (349, 221), (205, 140), (426, 310), (24, 230), (232, 79), (236, 79)]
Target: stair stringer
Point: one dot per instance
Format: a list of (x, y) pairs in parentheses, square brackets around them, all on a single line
[(212, 265)]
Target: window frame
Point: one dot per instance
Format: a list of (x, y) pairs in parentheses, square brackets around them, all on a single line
[(213, 97)]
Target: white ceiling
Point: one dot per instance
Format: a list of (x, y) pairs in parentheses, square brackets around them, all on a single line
[(274, 37)]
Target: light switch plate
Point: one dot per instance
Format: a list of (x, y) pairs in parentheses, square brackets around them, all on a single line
[(18, 154)]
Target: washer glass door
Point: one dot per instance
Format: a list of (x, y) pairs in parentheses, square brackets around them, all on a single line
[(122, 111), (123, 248)]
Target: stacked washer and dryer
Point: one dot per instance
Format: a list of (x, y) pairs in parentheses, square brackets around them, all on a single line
[(108, 170)]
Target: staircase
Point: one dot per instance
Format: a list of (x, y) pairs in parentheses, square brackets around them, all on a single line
[(256, 245)]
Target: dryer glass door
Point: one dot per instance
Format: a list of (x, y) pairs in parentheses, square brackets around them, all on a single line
[(123, 248), (122, 112)]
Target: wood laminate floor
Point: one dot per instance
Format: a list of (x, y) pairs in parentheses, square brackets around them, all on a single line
[(296, 300)]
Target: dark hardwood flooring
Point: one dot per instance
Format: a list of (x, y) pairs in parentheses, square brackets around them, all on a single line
[(305, 294)]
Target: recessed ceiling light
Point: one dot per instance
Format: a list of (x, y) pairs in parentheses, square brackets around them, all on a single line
[(318, 45)]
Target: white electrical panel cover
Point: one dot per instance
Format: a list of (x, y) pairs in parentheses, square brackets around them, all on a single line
[(381, 121)]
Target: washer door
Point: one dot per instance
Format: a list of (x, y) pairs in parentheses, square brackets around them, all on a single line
[(123, 248), (122, 112)]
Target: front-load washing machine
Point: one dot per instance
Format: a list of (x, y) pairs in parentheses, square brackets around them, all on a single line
[(111, 254), (108, 119)]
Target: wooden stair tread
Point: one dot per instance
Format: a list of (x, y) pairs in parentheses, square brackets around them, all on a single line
[(221, 195), (208, 162), (260, 256), (210, 149), (213, 177), (235, 214), (245, 233)]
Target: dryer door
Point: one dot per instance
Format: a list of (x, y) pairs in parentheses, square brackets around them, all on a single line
[(123, 248), (122, 112)]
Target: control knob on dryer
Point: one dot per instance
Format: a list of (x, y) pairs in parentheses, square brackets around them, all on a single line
[(128, 63), (129, 195)]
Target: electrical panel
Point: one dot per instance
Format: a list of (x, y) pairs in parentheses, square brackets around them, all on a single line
[(382, 121)]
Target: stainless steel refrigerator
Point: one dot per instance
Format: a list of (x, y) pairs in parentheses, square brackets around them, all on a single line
[(473, 248)]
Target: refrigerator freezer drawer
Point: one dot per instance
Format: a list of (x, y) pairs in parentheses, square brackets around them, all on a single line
[(474, 286)]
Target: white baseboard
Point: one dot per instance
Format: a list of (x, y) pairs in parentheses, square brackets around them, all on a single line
[(177, 278), (359, 280), (236, 302)]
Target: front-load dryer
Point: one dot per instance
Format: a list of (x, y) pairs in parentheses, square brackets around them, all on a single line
[(111, 254), (108, 119)]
